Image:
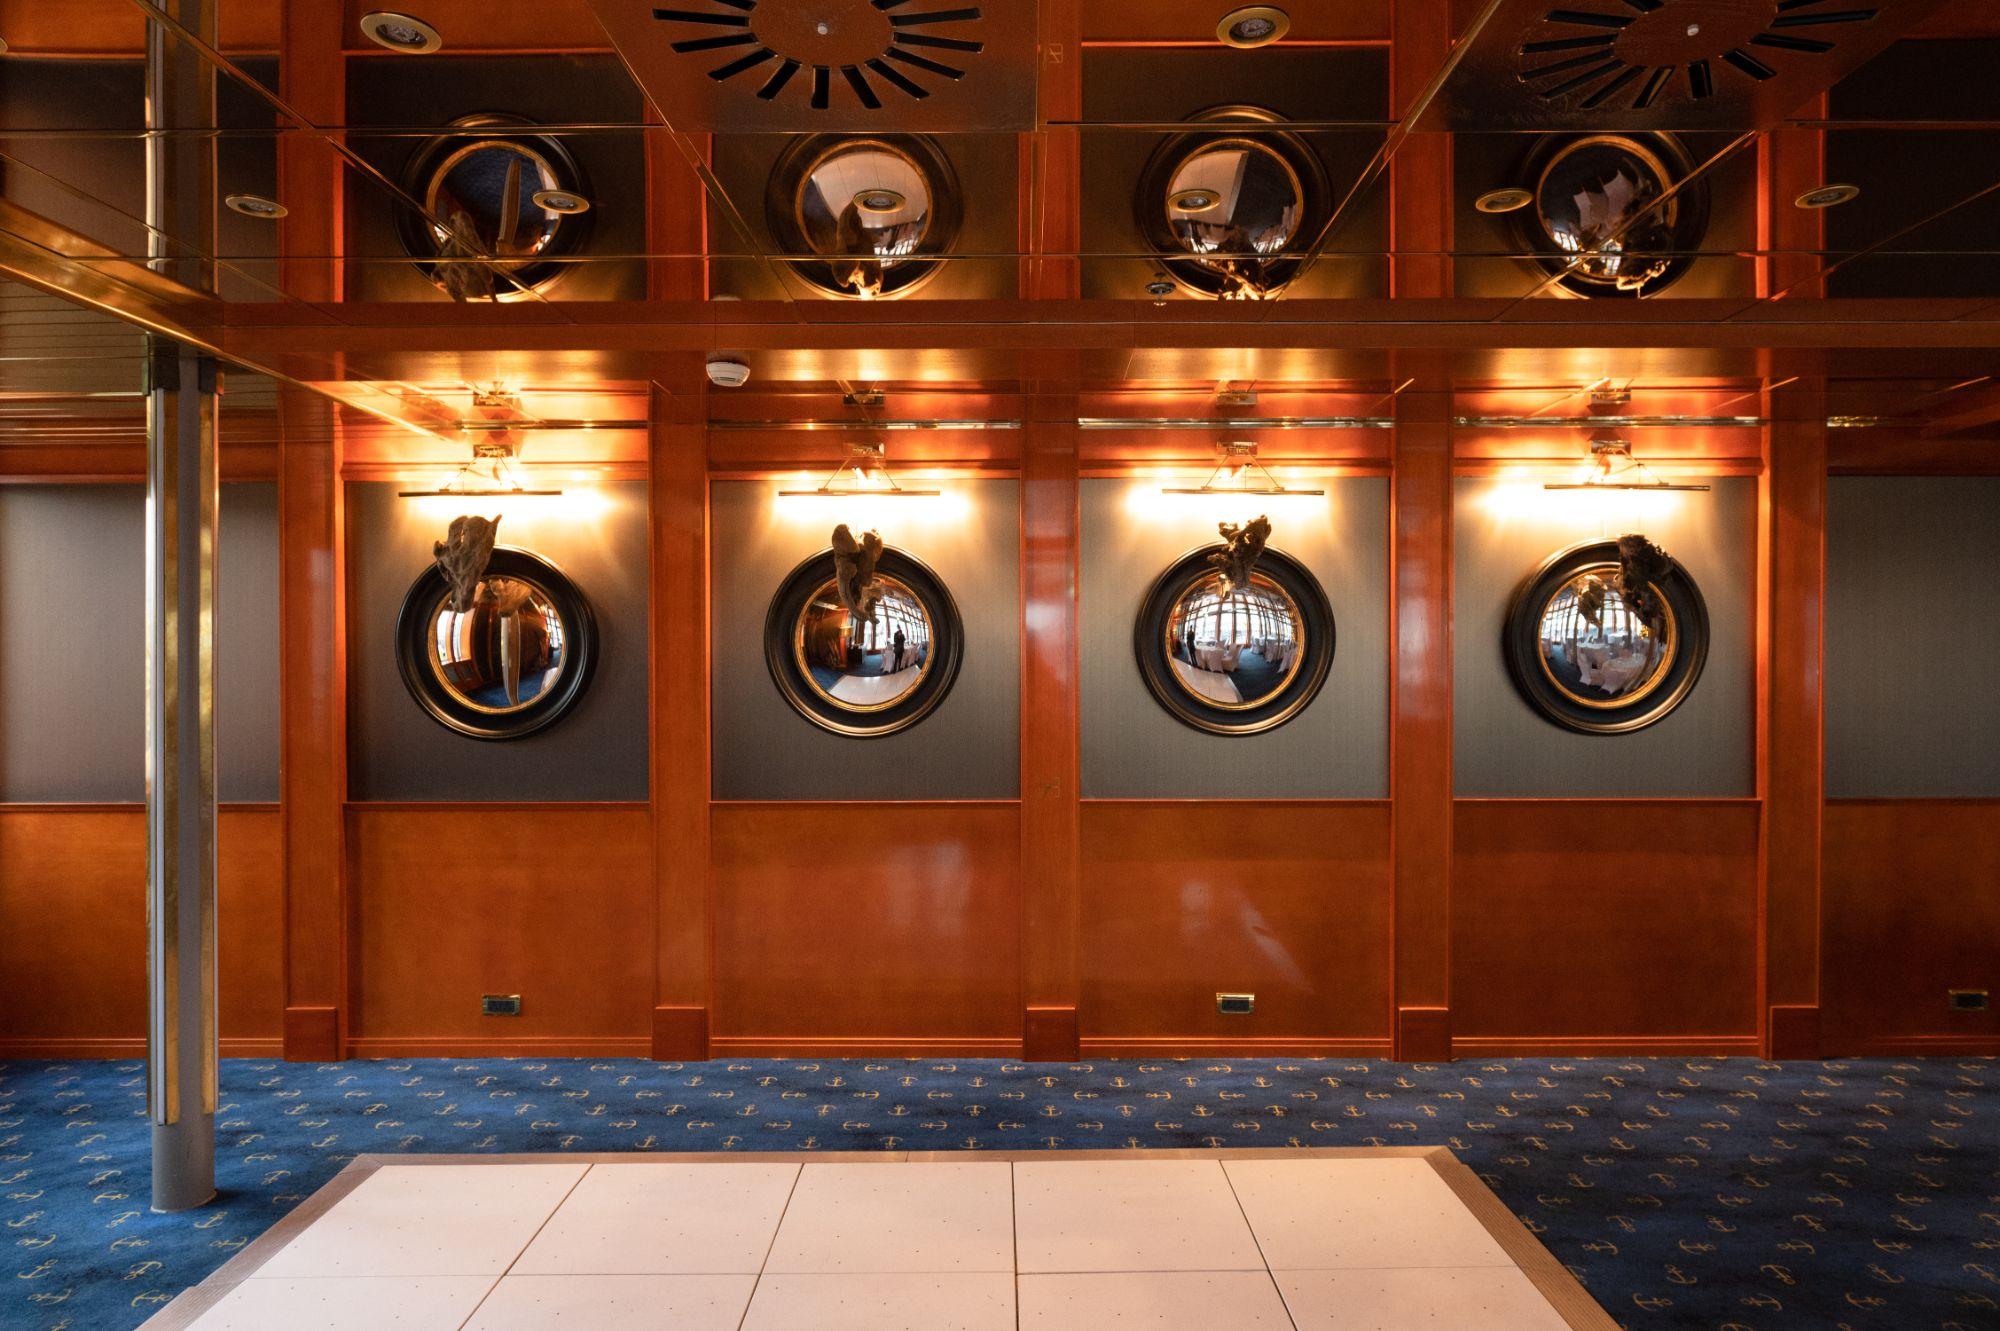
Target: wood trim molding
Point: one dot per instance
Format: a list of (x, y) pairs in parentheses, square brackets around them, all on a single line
[(1420, 743), (814, 1046), (1049, 1035), (1051, 830), (1272, 1046), (1593, 1046), (312, 780), (678, 660), (116, 1047), (1792, 757)]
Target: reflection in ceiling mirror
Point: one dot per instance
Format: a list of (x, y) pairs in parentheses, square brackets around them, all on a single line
[(501, 207), (1231, 209), (1610, 214), (1235, 638), (494, 650), (862, 639), (865, 214), (1607, 637)]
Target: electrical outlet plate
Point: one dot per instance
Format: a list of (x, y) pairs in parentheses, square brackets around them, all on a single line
[(1236, 1005), (1968, 1000), (500, 1005)]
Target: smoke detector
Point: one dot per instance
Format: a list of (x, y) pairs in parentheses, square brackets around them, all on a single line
[(728, 373)]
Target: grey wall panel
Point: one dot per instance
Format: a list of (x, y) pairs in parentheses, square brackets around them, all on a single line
[(396, 751), (969, 748), (73, 628), (247, 716), (1338, 748), (1912, 632), (1504, 528)]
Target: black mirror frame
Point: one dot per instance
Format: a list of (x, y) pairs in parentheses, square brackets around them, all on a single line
[(795, 166), (947, 646), (413, 628), (1691, 227), (1205, 130), (1149, 636), (1522, 634), (414, 229)]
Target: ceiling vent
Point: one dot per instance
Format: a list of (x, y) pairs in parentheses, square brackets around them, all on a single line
[(1639, 65), (840, 65)]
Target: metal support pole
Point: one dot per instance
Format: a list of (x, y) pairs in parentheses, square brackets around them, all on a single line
[(180, 634)]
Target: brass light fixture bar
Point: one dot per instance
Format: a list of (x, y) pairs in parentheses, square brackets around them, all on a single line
[(863, 473), (1612, 467), (1236, 423), (496, 444), (1241, 474)]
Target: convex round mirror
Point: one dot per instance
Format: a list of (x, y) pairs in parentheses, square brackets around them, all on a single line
[(507, 204), (506, 661), (866, 211), (1607, 637), (1235, 638), (1230, 209), (862, 638), (1600, 195)]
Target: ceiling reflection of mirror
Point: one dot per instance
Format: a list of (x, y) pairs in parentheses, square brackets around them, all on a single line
[(501, 206), (870, 208), (1230, 213), (1606, 217)]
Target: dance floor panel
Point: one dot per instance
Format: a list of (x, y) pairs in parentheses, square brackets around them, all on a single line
[(1377, 1239)]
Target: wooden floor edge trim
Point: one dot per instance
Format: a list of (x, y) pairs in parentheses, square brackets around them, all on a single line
[(66, 1048), (1557, 1284), (1115, 1046), (1604, 1046), (817, 1046)]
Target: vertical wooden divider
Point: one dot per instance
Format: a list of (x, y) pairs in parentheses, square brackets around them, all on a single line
[(1793, 511), (312, 562), (1420, 762), (677, 516), (1050, 816), (1420, 184)]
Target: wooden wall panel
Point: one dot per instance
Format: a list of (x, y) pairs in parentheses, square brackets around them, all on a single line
[(1910, 914), (1604, 925), (550, 902), (893, 926), (73, 931), (1289, 901)]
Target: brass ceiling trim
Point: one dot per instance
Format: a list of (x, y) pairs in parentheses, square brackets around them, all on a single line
[(335, 142)]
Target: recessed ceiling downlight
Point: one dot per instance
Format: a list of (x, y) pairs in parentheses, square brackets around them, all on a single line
[(257, 206), (1253, 26), (1508, 200), (1827, 196), (880, 202), (566, 202), (400, 33), (1197, 200)]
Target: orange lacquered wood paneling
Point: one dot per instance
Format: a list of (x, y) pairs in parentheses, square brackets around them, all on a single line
[(1910, 914), (1631, 922), (73, 930), (551, 902), (1182, 900), (877, 922)]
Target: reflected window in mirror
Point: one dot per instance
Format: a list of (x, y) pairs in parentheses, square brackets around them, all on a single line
[(1231, 210), (501, 206), (867, 215)]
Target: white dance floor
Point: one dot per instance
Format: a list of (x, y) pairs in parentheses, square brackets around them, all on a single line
[(1358, 1240)]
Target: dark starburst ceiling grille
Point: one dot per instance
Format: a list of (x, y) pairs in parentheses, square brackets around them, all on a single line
[(1587, 57), (918, 47), (1657, 65)]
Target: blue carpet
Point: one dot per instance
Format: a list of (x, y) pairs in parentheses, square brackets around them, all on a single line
[(1717, 1193)]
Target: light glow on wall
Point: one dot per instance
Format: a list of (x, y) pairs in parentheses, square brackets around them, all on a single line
[(1520, 497), (864, 512), (524, 514)]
